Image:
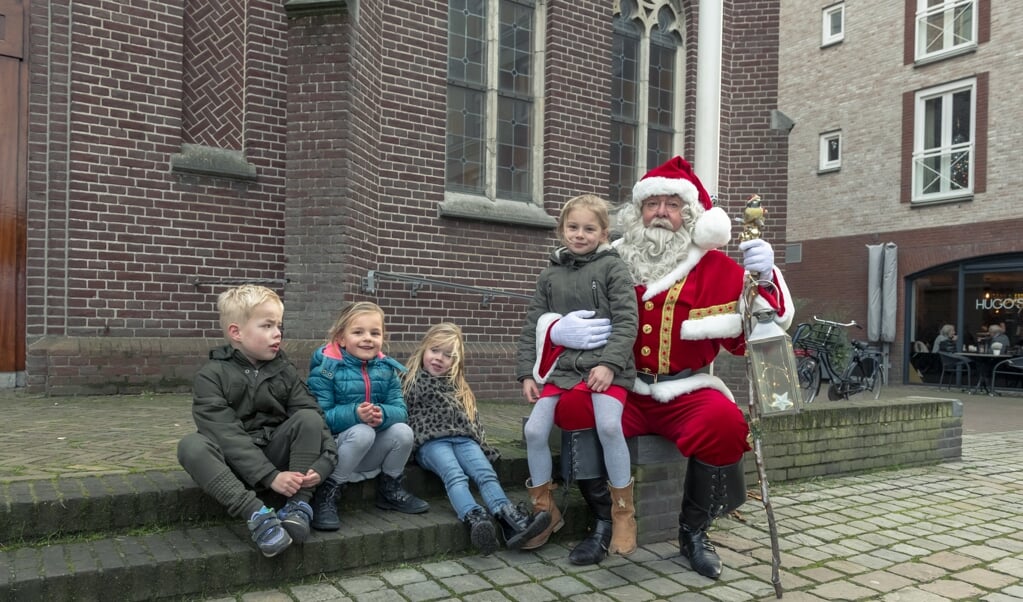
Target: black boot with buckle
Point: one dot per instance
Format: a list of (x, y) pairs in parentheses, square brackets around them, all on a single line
[(593, 549), (518, 526), (709, 492), (391, 495)]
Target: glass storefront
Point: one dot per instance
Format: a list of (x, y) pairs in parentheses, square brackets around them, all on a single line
[(970, 295)]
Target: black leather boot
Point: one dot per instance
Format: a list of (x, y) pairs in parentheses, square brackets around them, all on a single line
[(709, 492), (325, 516), (518, 526), (481, 531), (593, 549), (391, 495)]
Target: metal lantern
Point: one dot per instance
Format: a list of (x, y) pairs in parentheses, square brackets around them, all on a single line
[(773, 366)]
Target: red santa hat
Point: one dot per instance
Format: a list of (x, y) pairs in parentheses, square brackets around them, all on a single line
[(713, 229)]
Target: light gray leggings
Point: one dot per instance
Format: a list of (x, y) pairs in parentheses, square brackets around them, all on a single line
[(364, 452), (607, 413)]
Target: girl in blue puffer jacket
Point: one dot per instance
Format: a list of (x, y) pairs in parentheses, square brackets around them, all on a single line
[(359, 390)]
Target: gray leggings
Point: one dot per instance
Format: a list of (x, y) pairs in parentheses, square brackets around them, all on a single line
[(607, 413), (363, 452)]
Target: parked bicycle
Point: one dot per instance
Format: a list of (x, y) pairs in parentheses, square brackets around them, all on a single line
[(817, 347)]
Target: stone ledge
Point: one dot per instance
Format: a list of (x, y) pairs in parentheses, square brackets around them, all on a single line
[(824, 440)]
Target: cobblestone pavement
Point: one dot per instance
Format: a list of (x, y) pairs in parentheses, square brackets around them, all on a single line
[(941, 533)]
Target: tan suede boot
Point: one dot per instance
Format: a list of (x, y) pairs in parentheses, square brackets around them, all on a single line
[(542, 497), (623, 520)]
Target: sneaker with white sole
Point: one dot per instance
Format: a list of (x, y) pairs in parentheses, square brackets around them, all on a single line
[(268, 533)]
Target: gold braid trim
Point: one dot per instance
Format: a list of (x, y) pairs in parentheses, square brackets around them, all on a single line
[(667, 321), (713, 310)]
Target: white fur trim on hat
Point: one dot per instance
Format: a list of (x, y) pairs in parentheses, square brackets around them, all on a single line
[(713, 229), (654, 186)]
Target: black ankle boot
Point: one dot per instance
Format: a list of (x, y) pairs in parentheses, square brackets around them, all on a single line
[(708, 492), (391, 495), (518, 526), (702, 555), (593, 549), (481, 531), (324, 503)]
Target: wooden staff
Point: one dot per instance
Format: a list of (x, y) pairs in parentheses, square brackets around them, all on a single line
[(753, 223)]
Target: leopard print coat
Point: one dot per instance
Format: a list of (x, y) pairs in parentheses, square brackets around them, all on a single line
[(434, 412)]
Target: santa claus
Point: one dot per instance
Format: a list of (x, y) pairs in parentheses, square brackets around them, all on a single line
[(690, 303)]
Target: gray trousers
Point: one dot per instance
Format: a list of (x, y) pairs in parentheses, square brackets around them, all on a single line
[(364, 452), (294, 445)]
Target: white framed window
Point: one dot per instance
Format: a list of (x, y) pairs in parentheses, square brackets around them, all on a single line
[(945, 27), (833, 24), (943, 141), (494, 121), (647, 95), (830, 151)]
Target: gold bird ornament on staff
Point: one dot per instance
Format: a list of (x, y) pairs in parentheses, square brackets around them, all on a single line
[(752, 219)]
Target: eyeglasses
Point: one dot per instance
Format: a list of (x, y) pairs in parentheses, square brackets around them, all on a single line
[(670, 205)]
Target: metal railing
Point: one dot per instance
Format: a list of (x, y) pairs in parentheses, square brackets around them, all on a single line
[(369, 285)]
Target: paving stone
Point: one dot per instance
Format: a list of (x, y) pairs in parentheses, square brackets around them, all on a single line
[(952, 589), (986, 579)]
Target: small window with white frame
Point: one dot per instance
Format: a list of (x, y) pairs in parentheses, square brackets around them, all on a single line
[(945, 27), (833, 24), (943, 141), (830, 151)]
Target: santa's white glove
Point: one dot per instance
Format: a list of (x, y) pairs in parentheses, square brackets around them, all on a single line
[(758, 256), (579, 330)]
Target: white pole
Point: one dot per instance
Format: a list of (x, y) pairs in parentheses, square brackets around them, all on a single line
[(708, 94)]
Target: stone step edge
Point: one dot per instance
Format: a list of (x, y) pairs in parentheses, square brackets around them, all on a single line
[(34, 510), (222, 558)]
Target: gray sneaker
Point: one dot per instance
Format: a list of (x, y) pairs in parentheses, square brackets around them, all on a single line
[(267, 532), (295, 517)]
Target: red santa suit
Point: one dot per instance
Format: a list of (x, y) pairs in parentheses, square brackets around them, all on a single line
[(685, 318)]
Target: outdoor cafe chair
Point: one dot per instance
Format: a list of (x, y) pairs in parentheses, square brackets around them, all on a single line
[(1011, 370), (954, 364)]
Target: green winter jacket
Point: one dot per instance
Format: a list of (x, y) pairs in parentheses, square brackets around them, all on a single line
[(600, 282), (238, 406)]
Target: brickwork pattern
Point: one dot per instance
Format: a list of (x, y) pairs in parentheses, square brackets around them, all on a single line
[(863, 196), (349, 164)]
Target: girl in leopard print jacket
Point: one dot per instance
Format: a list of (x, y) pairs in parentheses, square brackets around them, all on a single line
[(450, 441)]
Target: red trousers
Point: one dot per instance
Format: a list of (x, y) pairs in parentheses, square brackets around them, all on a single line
[(704, 424)]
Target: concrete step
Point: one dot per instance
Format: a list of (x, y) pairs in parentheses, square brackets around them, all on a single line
[(185, 561), (155, 535), (33, 510)]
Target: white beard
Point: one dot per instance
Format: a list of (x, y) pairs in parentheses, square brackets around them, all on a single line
[(650, 251)]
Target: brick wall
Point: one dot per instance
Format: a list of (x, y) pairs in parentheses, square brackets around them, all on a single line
[(342, 124)]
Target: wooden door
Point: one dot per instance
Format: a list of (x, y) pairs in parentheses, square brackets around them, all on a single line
[(13, 148)]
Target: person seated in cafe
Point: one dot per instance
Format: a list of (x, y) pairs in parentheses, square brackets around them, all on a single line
[(997, 336), (946, 340)]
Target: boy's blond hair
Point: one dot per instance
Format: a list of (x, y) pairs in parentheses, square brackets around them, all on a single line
[(236, 304), (444, 334)]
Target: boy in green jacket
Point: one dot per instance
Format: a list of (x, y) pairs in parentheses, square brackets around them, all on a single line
[(258, 426)]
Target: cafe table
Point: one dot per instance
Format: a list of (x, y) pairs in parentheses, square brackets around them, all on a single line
[(985, 363)]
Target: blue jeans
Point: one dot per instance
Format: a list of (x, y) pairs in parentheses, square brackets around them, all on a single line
[(456, 460)]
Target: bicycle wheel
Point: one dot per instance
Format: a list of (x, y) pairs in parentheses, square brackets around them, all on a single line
[(866, 375), (809, 377)]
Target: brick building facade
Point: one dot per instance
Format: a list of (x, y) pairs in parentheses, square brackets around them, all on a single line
[(923, 101), (176, 148)]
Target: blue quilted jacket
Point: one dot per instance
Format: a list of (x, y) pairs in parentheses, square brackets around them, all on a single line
[(341, 381)]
